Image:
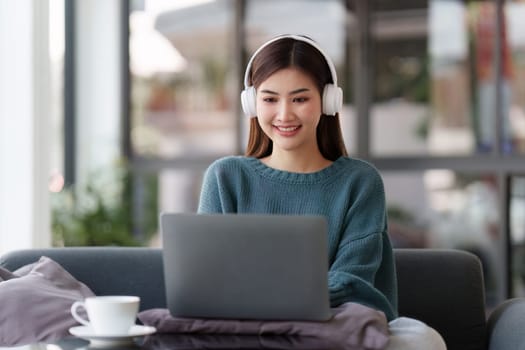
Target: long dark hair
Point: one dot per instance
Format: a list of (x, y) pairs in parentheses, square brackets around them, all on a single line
[(286, 53)]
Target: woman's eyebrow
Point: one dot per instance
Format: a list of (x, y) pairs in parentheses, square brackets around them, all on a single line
[(297, 91), (266, 91)]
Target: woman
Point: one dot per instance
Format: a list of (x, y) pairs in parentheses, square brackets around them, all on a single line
[(296, 163)]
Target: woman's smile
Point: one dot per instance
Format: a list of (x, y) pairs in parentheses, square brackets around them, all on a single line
[(287, 130)]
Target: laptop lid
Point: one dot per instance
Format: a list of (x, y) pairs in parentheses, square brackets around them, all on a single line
[(246, 266)]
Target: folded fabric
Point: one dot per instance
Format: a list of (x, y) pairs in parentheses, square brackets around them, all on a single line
[(35, 302), (6, 274), (351, 326)]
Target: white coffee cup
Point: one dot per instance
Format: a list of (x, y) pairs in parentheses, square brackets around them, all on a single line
[(108, 315)]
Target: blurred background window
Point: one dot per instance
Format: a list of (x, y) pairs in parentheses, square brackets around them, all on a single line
[(400, 108), (182, 86), (436, 78), (183, 103)]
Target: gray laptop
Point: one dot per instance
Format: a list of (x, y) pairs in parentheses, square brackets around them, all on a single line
[(246, 266)]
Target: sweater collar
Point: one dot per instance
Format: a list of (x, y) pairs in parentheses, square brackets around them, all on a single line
[(291, 177)]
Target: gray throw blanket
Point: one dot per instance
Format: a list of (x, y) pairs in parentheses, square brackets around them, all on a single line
[(353, 326), (35, 301)]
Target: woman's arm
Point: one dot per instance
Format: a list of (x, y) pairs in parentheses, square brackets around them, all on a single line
[(363, 268)]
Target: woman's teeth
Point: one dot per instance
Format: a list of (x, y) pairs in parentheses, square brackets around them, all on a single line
[(289, 128)]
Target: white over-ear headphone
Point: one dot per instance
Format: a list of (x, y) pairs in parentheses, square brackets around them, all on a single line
[(332, 98)]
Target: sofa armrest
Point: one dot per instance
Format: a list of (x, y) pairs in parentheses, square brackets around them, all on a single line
[(505, 325), (105, 270)]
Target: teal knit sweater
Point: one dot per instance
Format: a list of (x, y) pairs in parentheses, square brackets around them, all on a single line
[(349, 193)]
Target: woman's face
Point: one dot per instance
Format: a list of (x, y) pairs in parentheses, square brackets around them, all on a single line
[(289, 109)]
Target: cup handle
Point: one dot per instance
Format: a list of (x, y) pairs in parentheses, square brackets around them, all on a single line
[(74, 308)]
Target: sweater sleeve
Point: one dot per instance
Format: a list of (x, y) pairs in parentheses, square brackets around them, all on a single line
[(352, 276), (363, 269)]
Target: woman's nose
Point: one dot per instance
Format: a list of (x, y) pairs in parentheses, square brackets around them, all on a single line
[(285, 111)]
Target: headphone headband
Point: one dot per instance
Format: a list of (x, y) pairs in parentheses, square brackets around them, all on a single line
[(290, 36), (332, 95)]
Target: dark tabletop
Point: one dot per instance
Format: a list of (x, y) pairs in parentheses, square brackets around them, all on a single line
[(195, 342)]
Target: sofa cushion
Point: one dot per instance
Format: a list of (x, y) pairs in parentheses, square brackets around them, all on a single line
[(35, 302)]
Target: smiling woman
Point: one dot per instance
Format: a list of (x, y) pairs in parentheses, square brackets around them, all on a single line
[(296, 164)]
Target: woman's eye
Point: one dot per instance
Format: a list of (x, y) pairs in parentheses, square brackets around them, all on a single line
[(300, 99), (269, 99)]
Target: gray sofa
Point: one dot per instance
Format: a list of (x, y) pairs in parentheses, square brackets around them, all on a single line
[(443, 288)]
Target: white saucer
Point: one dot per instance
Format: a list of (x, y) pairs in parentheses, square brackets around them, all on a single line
[(98, 340)]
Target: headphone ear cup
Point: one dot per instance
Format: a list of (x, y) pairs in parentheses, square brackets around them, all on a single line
[(332, 99), (248, 99)]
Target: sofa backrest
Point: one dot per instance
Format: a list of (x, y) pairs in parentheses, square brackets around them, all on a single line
[(106, 270), (443, 288)]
